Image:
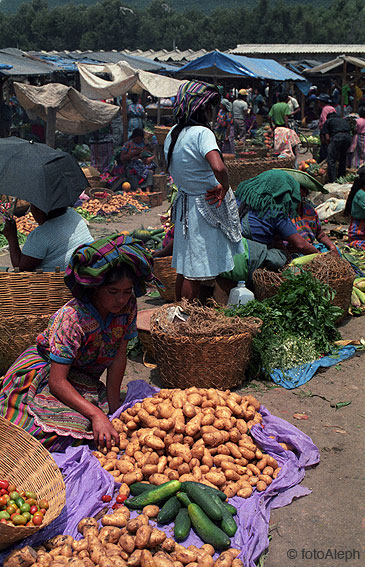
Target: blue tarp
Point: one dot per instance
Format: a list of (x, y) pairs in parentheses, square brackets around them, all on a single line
[(218, 64)]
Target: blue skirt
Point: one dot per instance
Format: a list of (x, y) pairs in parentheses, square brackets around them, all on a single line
[(205, 251)]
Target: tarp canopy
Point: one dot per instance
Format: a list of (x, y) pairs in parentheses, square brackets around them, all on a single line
[(75, 114), (16, 63), (221, 65), (329, 66), (123, 78)]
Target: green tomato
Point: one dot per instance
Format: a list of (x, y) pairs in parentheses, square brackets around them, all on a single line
[(19, 502), (27, 515), (14, 495), (19, 520), (4, 515), (24, 508), (31, 494)]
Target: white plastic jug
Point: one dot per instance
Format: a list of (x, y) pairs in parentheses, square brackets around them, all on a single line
[(240, 295)]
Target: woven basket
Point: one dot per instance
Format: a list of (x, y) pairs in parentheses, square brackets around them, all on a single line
[(144, 330), (240, 170), (28, 465), (167, 276), (228, 157), (93, 191), (30, 293), (17, 334), (161, 133), (205, 362)]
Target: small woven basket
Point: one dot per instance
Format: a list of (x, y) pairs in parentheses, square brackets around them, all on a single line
[(240, 170), (30, 293), (205, 362), (27, 464), (93, 193), (161, 133), (167, 276), (17, 334)]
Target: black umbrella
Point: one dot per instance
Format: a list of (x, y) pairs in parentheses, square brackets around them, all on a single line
[(47, 178)]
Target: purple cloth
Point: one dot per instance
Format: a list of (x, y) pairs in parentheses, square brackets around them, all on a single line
[(86, 482)]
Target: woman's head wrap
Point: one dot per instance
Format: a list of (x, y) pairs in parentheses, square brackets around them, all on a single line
[(90, 263), (191, 96), (274, 192)]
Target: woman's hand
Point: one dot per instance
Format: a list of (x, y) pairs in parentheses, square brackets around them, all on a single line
[(9, 229), (103, 430), (216, 195)]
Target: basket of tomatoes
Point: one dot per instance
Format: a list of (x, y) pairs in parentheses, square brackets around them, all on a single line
[(32, 491)]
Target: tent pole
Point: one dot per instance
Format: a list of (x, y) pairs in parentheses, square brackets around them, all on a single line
[(343, 84), (124, 117), (302, 106), (51, 127), (158, 111)]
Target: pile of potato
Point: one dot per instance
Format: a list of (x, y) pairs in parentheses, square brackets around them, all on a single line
[(121, 542), (191, 435), (26, 223), (113, 206)]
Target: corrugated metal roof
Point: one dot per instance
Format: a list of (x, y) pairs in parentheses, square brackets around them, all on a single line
[(164, 55), (338, 62), (21, 64), (288, 48)]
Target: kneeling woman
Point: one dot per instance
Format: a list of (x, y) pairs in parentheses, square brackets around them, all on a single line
[(53, 390)]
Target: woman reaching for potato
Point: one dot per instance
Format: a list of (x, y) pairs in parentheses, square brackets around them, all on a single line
[(53, 390)]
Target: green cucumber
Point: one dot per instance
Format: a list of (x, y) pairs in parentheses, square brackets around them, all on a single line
[(157, 231), (169, 511), (227, 524), (231, 509), (206, 529), (154, 496), (184, 498), (182, 525), (140, 487), (187, 483), (205, 500)]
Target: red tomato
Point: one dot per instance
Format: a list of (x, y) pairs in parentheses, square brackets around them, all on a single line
[(3, 491), (37, 519), (4, 484), (11, 488), (3, 501), (12, 515), (106, 498), (43, 504), (120, 498), (33, 509), (30, 524), (2, 521), (31, 501), (43, 511), (116, 506)]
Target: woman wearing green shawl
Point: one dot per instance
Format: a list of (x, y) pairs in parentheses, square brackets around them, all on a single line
[(267, 203)]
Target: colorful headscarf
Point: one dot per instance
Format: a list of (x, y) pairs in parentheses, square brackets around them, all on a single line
[(90, 263), (191, 95), (274, 192)]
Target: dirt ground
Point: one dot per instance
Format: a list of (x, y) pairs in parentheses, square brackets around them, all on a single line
[(331, 519)]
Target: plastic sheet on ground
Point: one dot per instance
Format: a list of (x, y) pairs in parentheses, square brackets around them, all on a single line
[(298, 376), (86, 482)]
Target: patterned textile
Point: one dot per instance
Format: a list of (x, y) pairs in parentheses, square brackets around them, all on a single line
[(101, 155), (356, 233), (308, 224), (285, 140), (90, 263), (224, 217), (190, 96), (358, 145), (272, 192), (76, 335), (224, 128)]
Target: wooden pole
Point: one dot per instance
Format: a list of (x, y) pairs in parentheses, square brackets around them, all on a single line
[(343, 84), (158, 111), (302, 106), (124, 117), (51, 127)]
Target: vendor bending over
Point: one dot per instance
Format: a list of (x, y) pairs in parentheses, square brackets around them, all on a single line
[(53, 390), (266, 204)]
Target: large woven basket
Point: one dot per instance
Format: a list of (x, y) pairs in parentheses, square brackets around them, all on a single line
[(161, 133), (30, 293), (266, 284), (205, 362), (240, 170), (17, 334), (167, 276), (144, 330), (27, 464)]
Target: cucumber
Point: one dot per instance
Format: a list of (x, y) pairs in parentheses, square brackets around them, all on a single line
[(184, 498), (140, 487), (182, 525), (169, 511), (154, 496), (187, 483), (231, 509), (205, 500), (157, 231), (227, 524), (206, 529)]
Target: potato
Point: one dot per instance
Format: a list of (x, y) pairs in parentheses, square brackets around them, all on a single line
[(127, 543), (207, 548), (151, 511), (165, 409), (231, 489), (237, 563), (266, 478), (163, 560), (80, 545), (166, 424), (224, 560), (147, 559), (124, 490), (134, 560), (261, 486), (21, 557), (245, 492), (168, 545), (176, 462), (158, 479), (109, 534), (216, 478), (132, 477), (162, 464), (183, 469), (178, 399), (142, 536), (193, 426), (86, 524), (271, 462), (247, 454), (231, 475), (261, 464), (147, 419), (208, 419), (206, 560), (276, 472), (268, 470), (195, 399), (184, 555), (133, 525), (157, 538)]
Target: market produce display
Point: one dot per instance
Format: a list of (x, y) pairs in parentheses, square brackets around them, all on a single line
[(357, 306), (313, 168), (20, 508), (114, 205), (300, 310), (198, 435), (263, 137), (26, 224), (120, 542)]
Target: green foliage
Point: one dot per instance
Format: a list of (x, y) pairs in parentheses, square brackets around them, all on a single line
[(302, 309), (187, 24)]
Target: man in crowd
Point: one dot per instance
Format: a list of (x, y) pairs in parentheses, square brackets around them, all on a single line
[(337, 134), (239, 112), (280, 112)]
